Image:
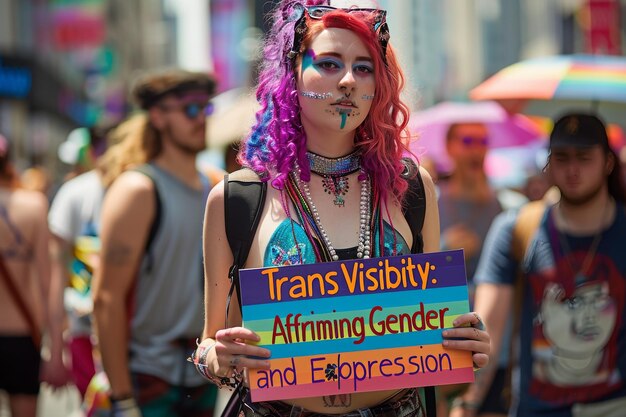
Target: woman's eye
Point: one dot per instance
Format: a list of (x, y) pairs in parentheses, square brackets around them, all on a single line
[(363, 69), (327, 65)]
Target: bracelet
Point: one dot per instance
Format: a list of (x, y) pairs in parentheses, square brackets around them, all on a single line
[(118, 398), (459, 402), (198, 358)]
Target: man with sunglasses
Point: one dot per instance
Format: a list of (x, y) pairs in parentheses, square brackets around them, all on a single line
[(148, 291), (467, 205)]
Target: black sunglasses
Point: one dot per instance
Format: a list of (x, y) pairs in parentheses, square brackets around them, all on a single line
[(299, 12), (194, 109)]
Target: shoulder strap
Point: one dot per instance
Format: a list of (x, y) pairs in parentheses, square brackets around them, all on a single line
[(243, 204), (21, 303), (154, 228), (414, 210), (414, 207), (526, 225)]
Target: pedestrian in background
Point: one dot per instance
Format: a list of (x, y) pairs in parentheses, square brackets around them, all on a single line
[(24, 294), (148, 289), (74, 222), (467, 205), (571, 342)]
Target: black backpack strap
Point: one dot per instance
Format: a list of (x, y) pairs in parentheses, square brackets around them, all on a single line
[(414, 207), (243, 205), (414, 210), (154, 228), (430, 400)]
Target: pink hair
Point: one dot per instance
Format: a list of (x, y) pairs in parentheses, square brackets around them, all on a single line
[(278, 140)]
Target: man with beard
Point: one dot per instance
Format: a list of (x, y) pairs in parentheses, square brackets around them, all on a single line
[(571, 353), (148, 288)]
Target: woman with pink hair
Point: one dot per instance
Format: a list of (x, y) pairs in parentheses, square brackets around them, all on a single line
[(328, 140)]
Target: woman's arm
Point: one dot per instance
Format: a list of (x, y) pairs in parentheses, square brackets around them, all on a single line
[(53, 370), (231, 346), (128, 211)]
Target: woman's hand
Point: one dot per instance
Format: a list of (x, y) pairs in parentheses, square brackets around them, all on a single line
[(469, 334), (235, 348)]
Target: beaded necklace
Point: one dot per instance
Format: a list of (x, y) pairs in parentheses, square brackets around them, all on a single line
[(308, 216)]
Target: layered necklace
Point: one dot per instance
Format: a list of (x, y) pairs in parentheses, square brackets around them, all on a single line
[(300, 195), (334, 173)]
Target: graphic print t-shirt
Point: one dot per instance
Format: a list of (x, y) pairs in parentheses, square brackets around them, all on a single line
[(572, 347), (74, 216)]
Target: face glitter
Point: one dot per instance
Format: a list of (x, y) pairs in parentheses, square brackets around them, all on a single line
[(368, 97), (315, 96)]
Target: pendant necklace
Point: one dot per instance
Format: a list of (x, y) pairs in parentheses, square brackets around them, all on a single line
[(580, 275), (334, 173), (365, 216)]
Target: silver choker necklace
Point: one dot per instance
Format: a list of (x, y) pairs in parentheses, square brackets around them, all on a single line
[(344, 165)]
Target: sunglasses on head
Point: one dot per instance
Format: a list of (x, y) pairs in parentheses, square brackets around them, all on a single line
[(194, 109), (471, 140), (299, 13)]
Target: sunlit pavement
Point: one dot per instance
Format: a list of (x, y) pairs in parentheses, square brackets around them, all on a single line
[(66, 403), (62, 403)]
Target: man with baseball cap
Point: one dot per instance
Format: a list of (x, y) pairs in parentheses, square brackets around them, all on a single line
[(563, 268), (148, 288)]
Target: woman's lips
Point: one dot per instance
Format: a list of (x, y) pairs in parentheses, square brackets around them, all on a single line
[(347, 103)]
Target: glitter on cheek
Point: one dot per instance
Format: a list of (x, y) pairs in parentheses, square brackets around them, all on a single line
[(368, 97), (315, 96)]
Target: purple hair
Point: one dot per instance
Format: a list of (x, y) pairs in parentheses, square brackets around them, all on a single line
[(278, 140)]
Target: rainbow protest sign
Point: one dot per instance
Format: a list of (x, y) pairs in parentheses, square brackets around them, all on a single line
[(354, 326)]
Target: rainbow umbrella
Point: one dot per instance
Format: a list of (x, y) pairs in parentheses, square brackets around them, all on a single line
[(552, 85)]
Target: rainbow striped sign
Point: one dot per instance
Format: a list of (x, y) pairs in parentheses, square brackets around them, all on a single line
[(354, 326)]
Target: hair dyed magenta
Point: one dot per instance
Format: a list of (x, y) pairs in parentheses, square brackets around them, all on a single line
[(278, 141)]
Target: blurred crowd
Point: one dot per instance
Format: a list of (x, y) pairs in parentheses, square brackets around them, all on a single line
[(89, 262)]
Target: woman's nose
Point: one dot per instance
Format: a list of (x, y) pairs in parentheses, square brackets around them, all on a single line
[(347, 82)]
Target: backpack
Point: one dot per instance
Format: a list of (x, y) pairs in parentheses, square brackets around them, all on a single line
[(243, 204)]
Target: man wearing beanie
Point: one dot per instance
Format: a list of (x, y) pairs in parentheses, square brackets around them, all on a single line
[(560, 268), (148, 290)]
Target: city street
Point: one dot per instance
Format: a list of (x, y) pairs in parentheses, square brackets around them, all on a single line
[(447, 193), (66, 403)]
